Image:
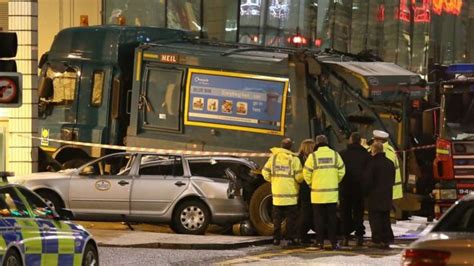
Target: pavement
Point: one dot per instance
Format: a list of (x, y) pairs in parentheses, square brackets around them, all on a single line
[(142, 239), (153, 236)]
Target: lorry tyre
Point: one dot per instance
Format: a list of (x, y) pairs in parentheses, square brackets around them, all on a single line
[(191, 217), (74, 163), (260, 210)]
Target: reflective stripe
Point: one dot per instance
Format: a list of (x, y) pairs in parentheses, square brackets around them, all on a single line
[(282, 176), (398, 183), (324, 189), (285, 195), (327, 167), (267, 169), (309, 169)]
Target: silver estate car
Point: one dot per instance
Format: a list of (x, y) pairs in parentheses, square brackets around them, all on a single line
[(450, 241), (184, 191)]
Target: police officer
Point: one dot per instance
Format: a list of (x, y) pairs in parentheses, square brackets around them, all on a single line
[(284, 171), (323, 170), (355, 159), (381, 136), (378, 182)]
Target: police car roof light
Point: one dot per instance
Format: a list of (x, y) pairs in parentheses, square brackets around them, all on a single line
[(5, 176), (461, 69)]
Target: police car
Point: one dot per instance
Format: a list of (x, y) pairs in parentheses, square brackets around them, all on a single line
[(32, 233)]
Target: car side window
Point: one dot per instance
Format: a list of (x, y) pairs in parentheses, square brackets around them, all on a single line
[(217, 170), (161, 165), (11, 204), (37, 205), (110, 165)]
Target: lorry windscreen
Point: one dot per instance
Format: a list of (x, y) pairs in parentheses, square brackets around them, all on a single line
[(57, 88), (459, 114)]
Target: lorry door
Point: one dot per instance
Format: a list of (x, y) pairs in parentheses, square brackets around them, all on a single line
[(160, 99), (102, 187), (160, 183), (93, 104)]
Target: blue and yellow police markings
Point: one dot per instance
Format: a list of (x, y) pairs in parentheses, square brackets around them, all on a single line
[(43, 242)]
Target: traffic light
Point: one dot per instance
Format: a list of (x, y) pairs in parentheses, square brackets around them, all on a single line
[(10, 80)]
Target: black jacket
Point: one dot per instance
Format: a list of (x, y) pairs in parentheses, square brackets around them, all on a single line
[(378, 183), (355, 159), (305, 191)]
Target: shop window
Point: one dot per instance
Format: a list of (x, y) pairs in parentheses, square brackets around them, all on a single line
[(184, 14), (136, 12), (220, 20)]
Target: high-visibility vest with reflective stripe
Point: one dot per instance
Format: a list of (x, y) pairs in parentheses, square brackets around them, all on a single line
[(392, 156), (323, 170), (283, 169)]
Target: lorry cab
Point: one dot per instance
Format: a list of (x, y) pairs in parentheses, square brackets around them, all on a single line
[(84, 86)]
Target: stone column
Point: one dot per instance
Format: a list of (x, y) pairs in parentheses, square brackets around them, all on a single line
[(22, 151)]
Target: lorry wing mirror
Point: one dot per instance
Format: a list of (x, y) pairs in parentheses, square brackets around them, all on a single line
[(46, 88), (43, 60)]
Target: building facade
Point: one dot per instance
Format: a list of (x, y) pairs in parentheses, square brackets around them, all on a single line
[(411, 33)]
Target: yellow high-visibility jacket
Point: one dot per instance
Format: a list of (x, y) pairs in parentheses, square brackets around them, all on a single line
[(284, 171), (323, 171), (392, 156)]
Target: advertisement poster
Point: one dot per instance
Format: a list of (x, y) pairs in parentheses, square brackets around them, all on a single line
[(236, 101)]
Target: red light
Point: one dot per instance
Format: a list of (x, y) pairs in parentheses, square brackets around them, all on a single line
[(381, 13), (318, 42), (425, 257), (297, 40)]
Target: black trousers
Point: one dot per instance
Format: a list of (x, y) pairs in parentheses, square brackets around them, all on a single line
[(305, 219), (352, 214), (325, 219), (380, 226), (289, 213)]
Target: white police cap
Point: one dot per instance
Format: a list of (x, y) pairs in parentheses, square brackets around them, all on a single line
[(380, 134)]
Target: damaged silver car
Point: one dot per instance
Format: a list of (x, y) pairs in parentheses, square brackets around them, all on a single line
[(186, 192)]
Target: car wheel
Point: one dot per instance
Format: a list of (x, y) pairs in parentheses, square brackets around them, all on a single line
[(12, 258), (191, 217), (53, 198), (74, 163), (91, 256), (260, 210)]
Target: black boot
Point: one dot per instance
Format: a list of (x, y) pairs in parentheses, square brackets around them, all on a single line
[(360, 241), (276, 242)]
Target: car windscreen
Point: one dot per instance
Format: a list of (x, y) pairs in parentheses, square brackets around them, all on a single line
[(458, 219)]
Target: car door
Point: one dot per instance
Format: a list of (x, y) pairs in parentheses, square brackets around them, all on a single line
[(58, 237), (102, 188), (159, 184), (26, 231)]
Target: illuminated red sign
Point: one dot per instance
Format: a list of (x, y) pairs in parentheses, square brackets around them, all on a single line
[(169, 58), (421, 12)]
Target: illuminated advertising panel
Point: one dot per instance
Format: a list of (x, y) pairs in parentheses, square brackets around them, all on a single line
[(236, 101)]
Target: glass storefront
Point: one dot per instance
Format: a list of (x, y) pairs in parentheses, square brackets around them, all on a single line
[(411, 33)]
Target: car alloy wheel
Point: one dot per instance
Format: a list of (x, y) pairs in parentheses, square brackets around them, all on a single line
[(12, 258), (91, 257), (12, 261), (192, 218)]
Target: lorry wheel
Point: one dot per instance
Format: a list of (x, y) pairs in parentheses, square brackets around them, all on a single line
[(74, 163), (260, 210)]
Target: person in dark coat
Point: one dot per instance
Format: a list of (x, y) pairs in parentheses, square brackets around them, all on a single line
[(378, 182), (305, 215), (351, 196)]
